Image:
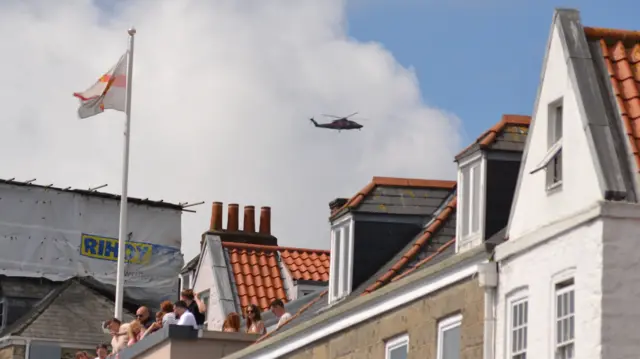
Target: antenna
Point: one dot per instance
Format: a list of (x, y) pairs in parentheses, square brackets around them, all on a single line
[(93, 189), (29, 181), (186, 204)]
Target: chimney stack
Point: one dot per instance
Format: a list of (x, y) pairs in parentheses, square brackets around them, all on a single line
[(265, 220), (249, 219), (216, 216), (232, 217)]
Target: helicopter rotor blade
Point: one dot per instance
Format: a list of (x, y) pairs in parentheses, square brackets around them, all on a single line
[(355, 113), (331, 116)]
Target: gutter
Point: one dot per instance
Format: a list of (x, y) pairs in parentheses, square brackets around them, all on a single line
[(488, 279)]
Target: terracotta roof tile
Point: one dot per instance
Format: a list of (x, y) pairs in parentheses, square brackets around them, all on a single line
[(354, 201), (425, 260), (621, 51), (489, 136), (257, 274), (418, 245)]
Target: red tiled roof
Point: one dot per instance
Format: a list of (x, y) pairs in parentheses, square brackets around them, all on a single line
[(257, 273), (417, 246), (393, 182), (621, 50), (422, 262), (489, 136), (306, 264)]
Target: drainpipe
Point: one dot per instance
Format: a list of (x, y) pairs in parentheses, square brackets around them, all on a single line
[(488, 279)]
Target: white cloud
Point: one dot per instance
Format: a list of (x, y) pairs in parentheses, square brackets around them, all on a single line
[(222, 95)]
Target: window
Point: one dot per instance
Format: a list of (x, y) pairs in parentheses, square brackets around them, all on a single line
[(397, 348), (554, 167), (341, 260), (449, 338), (204, 297), (564, 320), (186, 281), (470, 179), (518, 319), (3, 314)]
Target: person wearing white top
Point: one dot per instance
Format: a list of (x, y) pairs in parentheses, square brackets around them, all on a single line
[(277, 307), (169, 319), (185, 317)]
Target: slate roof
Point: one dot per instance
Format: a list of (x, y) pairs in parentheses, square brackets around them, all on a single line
[(621, 52), (256, 270), (72, 312), (403, 196), (509, 134)]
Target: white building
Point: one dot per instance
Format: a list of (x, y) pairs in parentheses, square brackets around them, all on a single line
[(569, 279)]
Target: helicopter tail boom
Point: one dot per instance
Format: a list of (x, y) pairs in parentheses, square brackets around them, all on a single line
[(314, 122)]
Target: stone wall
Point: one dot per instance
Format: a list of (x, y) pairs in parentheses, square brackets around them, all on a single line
[(12, 352), (418, 319)]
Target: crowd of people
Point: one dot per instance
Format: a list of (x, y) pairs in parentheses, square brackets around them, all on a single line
[(190, 311)]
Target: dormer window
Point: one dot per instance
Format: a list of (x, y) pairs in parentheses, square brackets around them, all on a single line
[(552, 161), (470, 200), (340, 275)]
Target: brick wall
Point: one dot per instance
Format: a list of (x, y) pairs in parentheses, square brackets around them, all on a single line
[(12, 352), (419, 319)]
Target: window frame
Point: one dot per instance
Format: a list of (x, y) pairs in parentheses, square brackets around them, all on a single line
[(341, 259), (205, 297), (395, 343), (553, 169), (476, 165), (445, 324), (3, 313), (563, 287), (512, 302)]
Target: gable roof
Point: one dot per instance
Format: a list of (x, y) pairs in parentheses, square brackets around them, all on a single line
[(621, 53), (71, 312), (357, 200), (257, 270), (507, 124)]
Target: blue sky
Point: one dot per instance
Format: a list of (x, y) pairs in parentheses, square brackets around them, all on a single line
[(477, 61)]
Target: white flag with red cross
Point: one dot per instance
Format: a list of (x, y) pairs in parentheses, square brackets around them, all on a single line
[(109, 92)]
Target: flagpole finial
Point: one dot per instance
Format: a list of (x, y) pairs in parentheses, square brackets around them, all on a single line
[(132, 31)]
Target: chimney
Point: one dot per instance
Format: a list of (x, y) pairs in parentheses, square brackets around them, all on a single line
[(265, 220), (249, 219), (232, 217), (216, 216), (336, 204)]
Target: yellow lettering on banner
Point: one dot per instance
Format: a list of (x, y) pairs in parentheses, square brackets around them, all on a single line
[(107, 249)]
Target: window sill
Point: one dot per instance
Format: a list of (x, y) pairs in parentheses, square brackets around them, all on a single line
[(556, 187)]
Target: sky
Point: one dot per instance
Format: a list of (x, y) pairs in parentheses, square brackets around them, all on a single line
[(223, 90)]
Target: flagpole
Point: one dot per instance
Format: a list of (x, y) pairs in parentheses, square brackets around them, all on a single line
[(122, 238)]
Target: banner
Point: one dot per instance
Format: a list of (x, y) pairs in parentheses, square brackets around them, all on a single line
[(58, 234)]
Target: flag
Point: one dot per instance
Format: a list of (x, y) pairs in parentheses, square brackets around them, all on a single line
[(109, 92)]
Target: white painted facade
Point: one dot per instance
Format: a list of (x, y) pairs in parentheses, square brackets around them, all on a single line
[(341, 260), (570, 271), (534, 205)]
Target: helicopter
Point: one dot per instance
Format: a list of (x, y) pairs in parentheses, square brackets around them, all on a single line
[(340, 123)]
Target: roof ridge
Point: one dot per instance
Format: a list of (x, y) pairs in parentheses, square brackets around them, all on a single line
[(631, 35), (269, 247), (431, 229), (300, 311), (425, 260), (488, 136)]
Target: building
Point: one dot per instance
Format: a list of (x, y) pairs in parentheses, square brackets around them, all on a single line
[(568, 273), (238, 267), (53, 320), (410, 269)]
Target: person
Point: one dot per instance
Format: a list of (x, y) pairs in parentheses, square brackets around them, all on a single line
[(119, 334), (143, 315), (155, 326), (135, 332), (195, 306), (185, 317), (231, 323), (169, 316), (102, 351), (255, 325), (277, 308), (82, 355)]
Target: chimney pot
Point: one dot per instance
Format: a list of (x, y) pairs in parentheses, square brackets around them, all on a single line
[(265, 220), (216, 216), (249, 219), (232, 217)]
